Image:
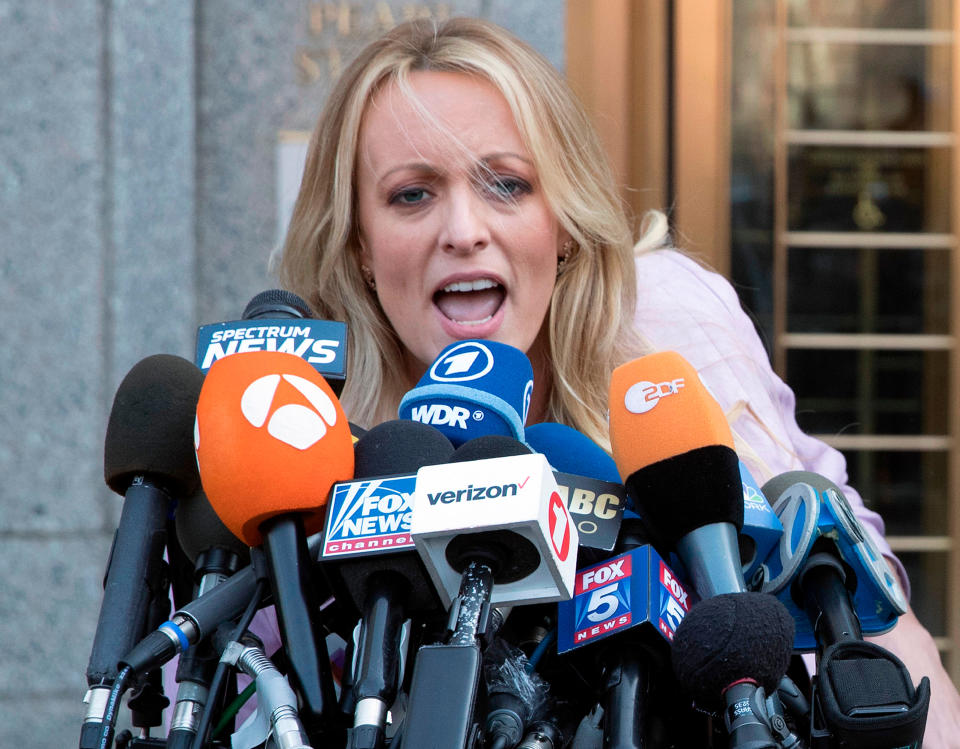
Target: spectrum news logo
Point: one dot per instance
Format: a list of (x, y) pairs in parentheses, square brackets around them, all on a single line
[(321, 343)]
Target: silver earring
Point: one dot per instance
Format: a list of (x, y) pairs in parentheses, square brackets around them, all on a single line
[(564, 255), (368, 277)]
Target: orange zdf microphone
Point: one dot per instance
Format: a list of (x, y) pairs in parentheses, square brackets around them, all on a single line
[(271, 440), (674, 450)]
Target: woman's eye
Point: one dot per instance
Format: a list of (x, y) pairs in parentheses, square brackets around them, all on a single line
[(409, 197), (507, 187)]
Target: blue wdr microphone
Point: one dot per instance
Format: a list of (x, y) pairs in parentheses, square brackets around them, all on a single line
[(474, 388)]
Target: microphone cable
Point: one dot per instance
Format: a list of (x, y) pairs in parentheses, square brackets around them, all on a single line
[(540, 650), (113, 705), (230, 712), (219, 676)]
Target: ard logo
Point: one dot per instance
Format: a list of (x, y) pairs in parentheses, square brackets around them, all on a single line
[(469, 360)]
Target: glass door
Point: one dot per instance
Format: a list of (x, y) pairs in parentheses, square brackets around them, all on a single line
[(844, 243)]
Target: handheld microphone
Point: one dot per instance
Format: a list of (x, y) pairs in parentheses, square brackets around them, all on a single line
[(515, 695), (385, 582), (271, 440), (674, 449), (831, 576), (505, 511), (868, 599), (588, 482), (279, 320), (193, 622), (627, 609), (473, 388), (148, 461), (580, 466), (761, 530), (214, 550), (730, 646), (571, 451), (216, 554), (480, 523)]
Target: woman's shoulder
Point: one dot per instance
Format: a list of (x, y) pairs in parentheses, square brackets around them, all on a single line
[(683, 305), (669, 276)]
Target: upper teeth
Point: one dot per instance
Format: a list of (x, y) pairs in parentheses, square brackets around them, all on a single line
[(478, 285)]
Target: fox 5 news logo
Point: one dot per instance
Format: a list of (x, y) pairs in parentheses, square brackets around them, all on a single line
[(674, 602), (602, 599)]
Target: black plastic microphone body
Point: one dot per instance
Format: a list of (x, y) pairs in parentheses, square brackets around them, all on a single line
[(742, 717), (134, 574), (196, 667), (624, 700), (446, 678), (289, 569), (378, 659), (387, 586), (827, 600), (193, 622), (147, 459), (133, 569)]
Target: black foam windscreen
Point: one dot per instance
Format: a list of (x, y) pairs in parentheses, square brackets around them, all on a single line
[(276, 303), (150, 429), (399, 446), (730, 637), (489, 446), (690, 490), (200, 529), (357, 431)]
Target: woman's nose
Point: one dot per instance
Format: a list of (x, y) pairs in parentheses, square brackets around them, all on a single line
[(465, 228)]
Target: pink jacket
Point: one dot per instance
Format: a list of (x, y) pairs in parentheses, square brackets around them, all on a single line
[(683, 307)]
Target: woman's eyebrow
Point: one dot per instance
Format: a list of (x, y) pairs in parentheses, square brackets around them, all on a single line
[(505, 154), (416, 166)]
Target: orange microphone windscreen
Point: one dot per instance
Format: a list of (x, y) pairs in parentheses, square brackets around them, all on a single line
[(659, 409), (271, 438)]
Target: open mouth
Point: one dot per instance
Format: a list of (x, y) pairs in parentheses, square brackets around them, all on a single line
[(470, 302)]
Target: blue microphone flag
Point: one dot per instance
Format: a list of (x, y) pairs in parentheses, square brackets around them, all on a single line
[(473, 388)]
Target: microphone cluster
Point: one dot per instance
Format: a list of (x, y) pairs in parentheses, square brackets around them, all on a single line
[(455, 578)]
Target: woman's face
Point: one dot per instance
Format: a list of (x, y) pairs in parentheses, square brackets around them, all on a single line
[(453, 222)]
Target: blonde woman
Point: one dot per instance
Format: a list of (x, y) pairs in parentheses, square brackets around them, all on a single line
[(455, 189)]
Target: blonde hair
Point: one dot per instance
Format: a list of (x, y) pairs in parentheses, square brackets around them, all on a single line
[(591, 312)]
